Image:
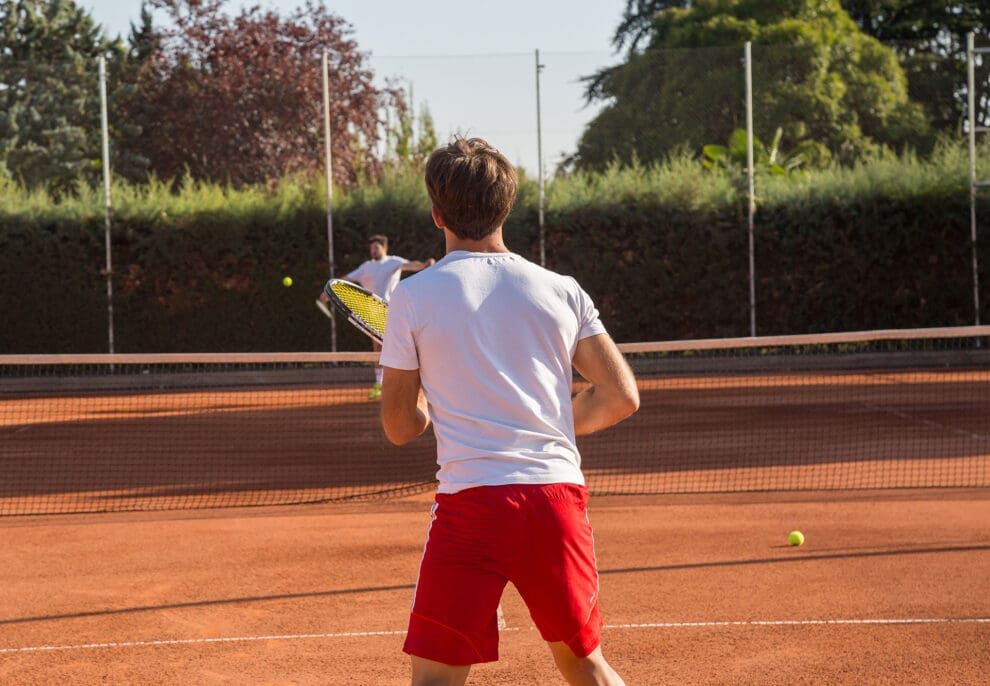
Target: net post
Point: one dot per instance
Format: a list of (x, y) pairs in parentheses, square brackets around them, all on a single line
[(105, 136), (329, 174), (748, 55)]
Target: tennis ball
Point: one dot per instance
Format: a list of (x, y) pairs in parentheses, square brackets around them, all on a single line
[(795, 538), (287, 281)]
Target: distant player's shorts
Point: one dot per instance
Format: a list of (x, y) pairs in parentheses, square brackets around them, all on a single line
[(536, 536)]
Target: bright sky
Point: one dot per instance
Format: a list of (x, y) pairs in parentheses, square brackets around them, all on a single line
[(472, 62)]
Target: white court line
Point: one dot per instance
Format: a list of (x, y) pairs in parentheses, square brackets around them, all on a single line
[(801, 622), (398, 632), (193, 641), (926, 422)]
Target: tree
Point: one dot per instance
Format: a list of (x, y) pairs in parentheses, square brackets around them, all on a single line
[(49, 93), (815, 75), (129, 111), (637, 21), (410, 140), (239, 99), (930, 41)]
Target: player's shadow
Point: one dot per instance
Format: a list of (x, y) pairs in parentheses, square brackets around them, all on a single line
[(799, 556), (208, 603), (410, 587)]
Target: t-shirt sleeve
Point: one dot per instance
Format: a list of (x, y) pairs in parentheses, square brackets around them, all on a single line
[(399, 344), (589, 323), (396, 262), (356, 274)]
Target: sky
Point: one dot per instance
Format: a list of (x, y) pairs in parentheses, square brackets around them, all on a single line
[(472, 62)]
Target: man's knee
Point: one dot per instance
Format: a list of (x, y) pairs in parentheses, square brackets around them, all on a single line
[(430, 673), (592, 669)]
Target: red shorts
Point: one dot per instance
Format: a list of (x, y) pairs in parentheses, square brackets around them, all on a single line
[(536, 536)]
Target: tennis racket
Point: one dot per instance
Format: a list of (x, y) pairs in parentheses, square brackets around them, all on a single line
[(363, 309)]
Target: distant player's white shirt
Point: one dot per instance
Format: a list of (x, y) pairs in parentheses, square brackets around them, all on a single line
[(379, 276), (493, 335)]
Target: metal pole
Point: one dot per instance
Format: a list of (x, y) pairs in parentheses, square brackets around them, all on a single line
[(329, 174), (971, 98), (539, 164), (752, 191), (105, 135)]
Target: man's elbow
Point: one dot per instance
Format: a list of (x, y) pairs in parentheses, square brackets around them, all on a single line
[(400, 438), (629, 402)]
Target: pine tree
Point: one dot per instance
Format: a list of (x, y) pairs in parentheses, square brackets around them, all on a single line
[(49, 93)]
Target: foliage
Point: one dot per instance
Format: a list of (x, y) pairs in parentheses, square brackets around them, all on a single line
[(410, 139), (637, 21), (239, 99), (883, 243), (772, 160), (928, 37), (49, 93), (128, 157), (819, 78), (930, 41)]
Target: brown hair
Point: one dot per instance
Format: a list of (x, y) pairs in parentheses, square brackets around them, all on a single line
[(472, 186), (378, 238)]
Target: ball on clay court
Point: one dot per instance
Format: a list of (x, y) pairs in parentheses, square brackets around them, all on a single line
[(287, 281), (795, 538)]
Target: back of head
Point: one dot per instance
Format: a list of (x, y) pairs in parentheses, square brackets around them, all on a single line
[(472, 186)]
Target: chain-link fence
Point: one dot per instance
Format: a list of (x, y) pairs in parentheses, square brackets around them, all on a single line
[(808, 109)]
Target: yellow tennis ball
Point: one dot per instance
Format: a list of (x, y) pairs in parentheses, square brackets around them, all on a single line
[(287, 281), (795, 538)]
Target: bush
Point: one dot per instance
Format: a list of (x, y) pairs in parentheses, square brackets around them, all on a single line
[(663, 250)]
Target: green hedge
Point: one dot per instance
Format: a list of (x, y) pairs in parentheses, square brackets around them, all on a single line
[(662, 250)]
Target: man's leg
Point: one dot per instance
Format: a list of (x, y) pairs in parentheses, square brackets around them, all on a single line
[(592, 670), (376, 390), (429, 673)]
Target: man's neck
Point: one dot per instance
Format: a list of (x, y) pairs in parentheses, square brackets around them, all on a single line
[(491, 243)]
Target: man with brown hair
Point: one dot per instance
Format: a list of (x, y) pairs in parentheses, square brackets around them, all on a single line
[(381, 275), (483, 345)]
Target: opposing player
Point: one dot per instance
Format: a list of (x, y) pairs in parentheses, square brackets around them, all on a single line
[(483, 345), (381, 275)]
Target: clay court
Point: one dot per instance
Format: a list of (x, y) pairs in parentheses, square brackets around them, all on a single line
[(890, 587)]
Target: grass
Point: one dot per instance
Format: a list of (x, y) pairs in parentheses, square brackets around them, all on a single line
[(679, 181)]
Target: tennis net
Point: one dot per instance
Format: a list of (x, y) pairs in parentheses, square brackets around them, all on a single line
[(873, 410)]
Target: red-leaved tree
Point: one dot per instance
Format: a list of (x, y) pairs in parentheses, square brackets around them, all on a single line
[(239, 99)]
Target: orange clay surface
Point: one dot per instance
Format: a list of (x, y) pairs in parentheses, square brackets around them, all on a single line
[(891, 587), (179, 448)]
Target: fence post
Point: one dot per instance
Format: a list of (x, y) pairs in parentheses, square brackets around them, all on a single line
[(105, 136), (539, 163), (329, 174), (748, 55), (973, 183)]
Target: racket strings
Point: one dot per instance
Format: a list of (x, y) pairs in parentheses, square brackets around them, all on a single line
[(369, 310)]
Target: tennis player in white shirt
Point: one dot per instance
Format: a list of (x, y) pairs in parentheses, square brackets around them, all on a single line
[(381, 275), (482, 345)]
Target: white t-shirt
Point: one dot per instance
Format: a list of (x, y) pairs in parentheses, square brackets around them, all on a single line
[(493, 335), (379, 276)]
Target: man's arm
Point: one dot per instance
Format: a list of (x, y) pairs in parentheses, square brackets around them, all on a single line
[(612, 395), (416, 266), (404, 412)]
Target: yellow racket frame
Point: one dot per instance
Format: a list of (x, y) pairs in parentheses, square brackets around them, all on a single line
[(363, 309)]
